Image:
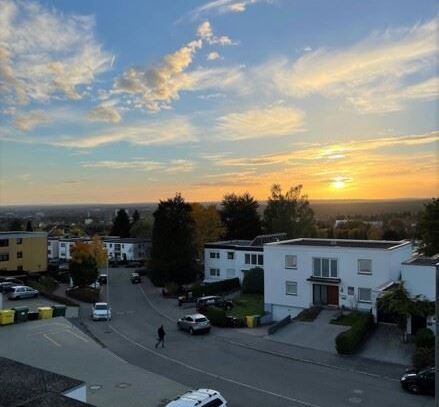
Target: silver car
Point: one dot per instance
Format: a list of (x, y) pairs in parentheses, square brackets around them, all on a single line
[(22, 291), (194, 323)]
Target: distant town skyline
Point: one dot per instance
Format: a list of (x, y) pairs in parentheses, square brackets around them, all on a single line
[(117, 102)]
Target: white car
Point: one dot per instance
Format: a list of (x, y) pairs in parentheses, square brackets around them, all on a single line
[(22, 291), (95, 285), (101, 310), (199, 398)]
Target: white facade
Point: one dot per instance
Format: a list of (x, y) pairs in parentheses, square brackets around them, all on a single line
[(52, 248), (419, 276), (128, 249), (347, 273), (66, 246)]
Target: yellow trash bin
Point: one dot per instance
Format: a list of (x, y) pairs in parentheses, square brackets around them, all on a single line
[(7, 316), (45, 312), (250, 319)]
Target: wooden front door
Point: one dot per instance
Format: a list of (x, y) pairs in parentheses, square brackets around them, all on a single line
[(332, 295)]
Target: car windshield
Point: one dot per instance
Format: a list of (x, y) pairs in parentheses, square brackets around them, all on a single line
[(101, 307), (200, 319)]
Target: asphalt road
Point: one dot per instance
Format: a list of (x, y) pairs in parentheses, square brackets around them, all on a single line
[(245, 377)]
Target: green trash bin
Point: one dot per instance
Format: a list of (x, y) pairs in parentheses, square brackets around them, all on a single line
[(21, 314), (257, 320), (59, 310)]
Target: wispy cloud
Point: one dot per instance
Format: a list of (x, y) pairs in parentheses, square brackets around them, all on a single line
[(223, 7), (103, 113), (170, 166), (211, 56), (29, 120)]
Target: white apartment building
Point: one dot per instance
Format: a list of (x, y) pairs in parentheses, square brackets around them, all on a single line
[(53, 248), (304, 272), (65, 246), (232, 258), (126, 249)]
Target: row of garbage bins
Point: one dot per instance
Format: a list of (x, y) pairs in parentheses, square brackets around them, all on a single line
[(22, 314)]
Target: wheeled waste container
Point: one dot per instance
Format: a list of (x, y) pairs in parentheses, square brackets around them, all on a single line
[(250, 320), (6, 316), (32, 315), (45, 312), (20, 314), (59, 310)]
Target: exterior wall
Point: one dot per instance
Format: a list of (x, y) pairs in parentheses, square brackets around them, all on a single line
[(229, 268), (131, 251), (276, 274), (53, 248), (33, 249), (420, 280)]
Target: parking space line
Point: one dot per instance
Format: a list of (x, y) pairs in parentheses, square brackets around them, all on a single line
[(52, 340), (78, 336)]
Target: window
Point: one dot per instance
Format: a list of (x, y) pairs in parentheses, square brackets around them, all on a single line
[(215, 272), (290, 262), (63, 245), (19, 240), (214, 403), (364, 295), (291, 287), (214, 255), (260, 260), (19, 255), (247, 259), (230, 255), (364, 266), (4, 257), (254, 259), (326, 268), (351, 291), (49, 251), (4, 242)]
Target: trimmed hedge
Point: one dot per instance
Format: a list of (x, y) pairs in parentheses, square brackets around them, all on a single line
[(216, 316), (424, 338), (349, 341), (218, 287), (253, 282), (57, 298), (423, 357), (85, 294)]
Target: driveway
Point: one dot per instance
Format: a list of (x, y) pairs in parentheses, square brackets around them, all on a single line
[(318, 334), (385, 345)]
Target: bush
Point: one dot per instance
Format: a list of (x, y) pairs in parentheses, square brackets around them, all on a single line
[(48, 282), (216, 316), (85, 294), (42, 290), (424, 338), (253, 282), (349, 341), (171, 290), (423, 357), (218, 287)]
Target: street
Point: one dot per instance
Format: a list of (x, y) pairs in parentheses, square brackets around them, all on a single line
[(244, 376)]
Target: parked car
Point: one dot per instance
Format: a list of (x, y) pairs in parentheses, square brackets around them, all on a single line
[(213, 300), (14, 280), (22, 291), (96, 285), (133, 265), (102, 279), (7, 287), (199, 398), (101, 310), (419, 381), (195, 323), (135, 278)]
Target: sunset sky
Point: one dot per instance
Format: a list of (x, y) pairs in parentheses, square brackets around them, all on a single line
[(133, 101)]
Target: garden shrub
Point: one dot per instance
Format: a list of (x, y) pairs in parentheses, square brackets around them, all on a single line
[(423, 357), (424, 338), (216, 316), (43, 291), (85, 294), (218, 287), (349, 341), (253, 282)]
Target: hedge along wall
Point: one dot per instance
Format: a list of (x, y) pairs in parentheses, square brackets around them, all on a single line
[(349, 341), (217, 287)]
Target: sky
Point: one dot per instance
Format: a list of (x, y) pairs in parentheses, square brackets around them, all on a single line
[(134, 101)]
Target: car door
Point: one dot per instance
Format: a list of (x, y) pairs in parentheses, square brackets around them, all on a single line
[(30, 292), (21, 293), (428, 382), (189, 322)]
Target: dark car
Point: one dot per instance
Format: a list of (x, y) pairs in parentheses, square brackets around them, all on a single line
[(102, 279), (135, 278), (7, 287), (419, 381), (213, 300)]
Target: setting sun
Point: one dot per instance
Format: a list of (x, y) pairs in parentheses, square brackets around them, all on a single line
[(339, 182)]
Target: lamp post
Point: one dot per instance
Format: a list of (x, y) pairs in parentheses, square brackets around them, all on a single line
[(436, 348), (108, 293)]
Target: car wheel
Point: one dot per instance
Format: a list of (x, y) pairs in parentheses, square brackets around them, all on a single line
[(191, 331), (414, 388)]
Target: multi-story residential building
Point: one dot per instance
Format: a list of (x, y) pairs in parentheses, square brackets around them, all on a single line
[(23, 251), (232, 258), (65, 246), (304, 272), (126, 249), (53, 248)]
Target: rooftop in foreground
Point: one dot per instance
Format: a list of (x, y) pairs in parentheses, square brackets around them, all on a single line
[(423, 261), (258, 241), (362, 244)]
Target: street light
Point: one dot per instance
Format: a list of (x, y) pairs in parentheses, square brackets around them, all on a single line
[(436, 350), (108, 293)]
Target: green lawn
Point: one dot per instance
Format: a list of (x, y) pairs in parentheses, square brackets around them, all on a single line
[(347, 319), (248, 304)]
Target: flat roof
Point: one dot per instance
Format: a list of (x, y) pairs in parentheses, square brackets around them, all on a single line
[(124, 240), (21, 234), (423, 261), (40, 388), (362, 244), (255, 244)]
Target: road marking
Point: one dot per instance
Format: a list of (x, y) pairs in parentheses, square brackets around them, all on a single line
[(52, 340), (78, 336), (154, 307), (226, 379)]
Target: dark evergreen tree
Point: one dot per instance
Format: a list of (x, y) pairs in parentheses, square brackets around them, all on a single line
[(29, 227), (239, 215), (15, 225), (173, 250), (429, 228), (289, 213), (121, 224), (136, 216), (85, 272)]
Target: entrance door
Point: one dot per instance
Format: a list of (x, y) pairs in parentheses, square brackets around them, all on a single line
[(332, 295), (325, 294)]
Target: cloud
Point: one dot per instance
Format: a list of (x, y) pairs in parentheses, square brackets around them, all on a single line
[(212, 56), (28, 121), (205, 32), (370, 75), (261, 122), (45, 54), (124, 165), (108, 114), (223, 7), (178, 166)]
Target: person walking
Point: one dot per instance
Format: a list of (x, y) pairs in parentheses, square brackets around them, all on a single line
[(161, 337)]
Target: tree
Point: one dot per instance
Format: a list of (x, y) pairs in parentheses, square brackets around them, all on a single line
[(289, 213), (141, 229), (15, 225), (208, 226), (83, 266), (136, 216), (173, 250), (253, 282), (121, 224), (29, 227), (239, 215), (98, 251), (429, 228)]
